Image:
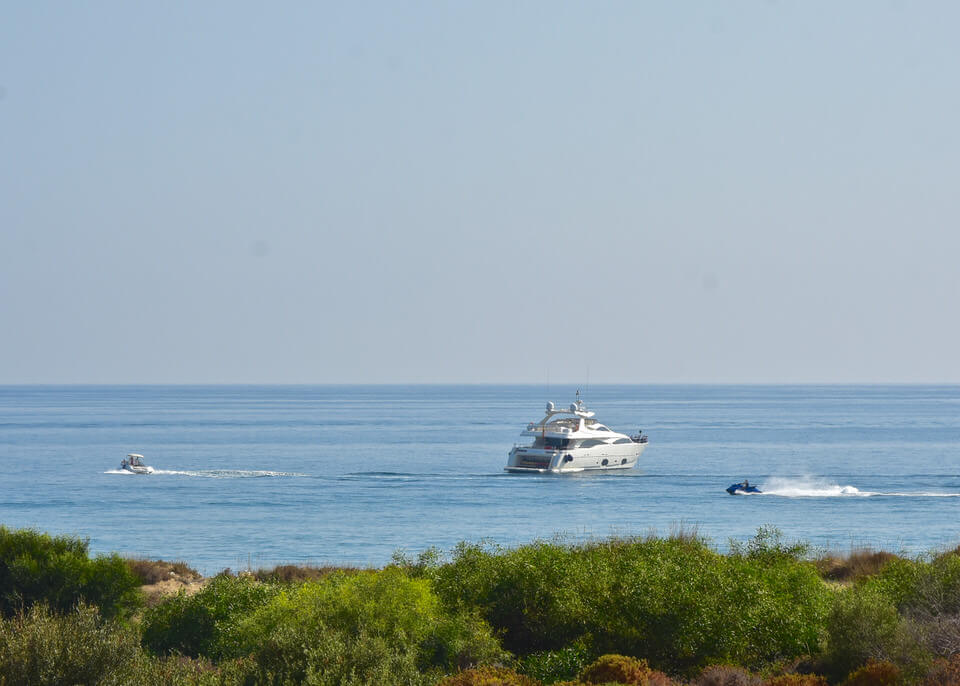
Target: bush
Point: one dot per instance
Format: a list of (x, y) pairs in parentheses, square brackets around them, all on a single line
[(796, 680), (875, 673), (205, 623), (528, 593), (944, 672), (726, 675), (57, 571), (41, 648), (674, 601), (335, 659), (865, 626), (768, 544), (550, 666), (361, 626), (617, 669), (927, 594), (488, 676), (79, 647)]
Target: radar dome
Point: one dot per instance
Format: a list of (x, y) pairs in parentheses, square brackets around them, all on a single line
[(549, 407), (573, 407)]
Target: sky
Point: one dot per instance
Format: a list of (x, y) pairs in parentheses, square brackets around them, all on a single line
[(479, 192)]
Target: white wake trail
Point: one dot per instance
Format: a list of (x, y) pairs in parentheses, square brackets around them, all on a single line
[(820, 488), (212, 473), (226, 473)]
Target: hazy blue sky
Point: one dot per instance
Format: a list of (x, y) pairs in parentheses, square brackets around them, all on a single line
[(479, 192)]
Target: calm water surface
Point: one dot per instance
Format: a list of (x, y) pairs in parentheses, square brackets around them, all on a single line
[(255, 475)]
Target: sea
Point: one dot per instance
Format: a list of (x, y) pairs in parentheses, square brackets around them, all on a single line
[(253, 476)]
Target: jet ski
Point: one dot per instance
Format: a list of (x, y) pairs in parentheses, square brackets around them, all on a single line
[(742, 488), (134, 463)]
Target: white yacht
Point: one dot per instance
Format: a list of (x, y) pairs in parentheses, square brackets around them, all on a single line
[(571, 440), (134, 463)]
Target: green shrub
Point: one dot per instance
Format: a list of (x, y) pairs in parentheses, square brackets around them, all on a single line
[(897, 582), (459, 641), (528, 593), (768, 545), (148, 670), (57, 571), (336, 659), (39, 647), (864, 625), (550, 666), (673, 601), (927, 595), (205, 623), (361, 626), (488, 676), (918, 586)]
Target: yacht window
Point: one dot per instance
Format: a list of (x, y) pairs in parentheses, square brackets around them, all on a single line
[(549, 442), (623, 440), (591, 442)]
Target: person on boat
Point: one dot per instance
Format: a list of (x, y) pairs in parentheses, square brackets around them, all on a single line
[(746, 484)]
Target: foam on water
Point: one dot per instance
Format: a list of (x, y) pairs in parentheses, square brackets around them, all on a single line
[(809, 487), (213, 473)]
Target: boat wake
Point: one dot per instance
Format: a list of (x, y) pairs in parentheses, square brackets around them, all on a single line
[(214, 473), (813, 488)]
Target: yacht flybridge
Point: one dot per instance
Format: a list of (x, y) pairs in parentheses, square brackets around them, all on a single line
[(571, 440)]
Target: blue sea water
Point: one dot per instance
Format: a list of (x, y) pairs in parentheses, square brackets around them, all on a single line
[(257, 475)]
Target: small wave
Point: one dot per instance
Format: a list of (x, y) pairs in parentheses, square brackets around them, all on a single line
[(410, 476), (382, 474), (812, 488)]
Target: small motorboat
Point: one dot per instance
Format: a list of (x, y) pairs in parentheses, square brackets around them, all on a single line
[(742, 488), (134, 463)]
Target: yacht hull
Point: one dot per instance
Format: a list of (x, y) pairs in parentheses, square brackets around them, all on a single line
[(606, 458)]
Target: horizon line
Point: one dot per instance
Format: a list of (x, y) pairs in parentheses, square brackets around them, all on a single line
[(187, 384)]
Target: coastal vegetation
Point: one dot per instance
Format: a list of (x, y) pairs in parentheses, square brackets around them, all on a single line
[(653, 611)]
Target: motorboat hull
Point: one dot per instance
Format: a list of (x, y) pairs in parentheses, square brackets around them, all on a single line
[(138, 470), (603, 458)]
